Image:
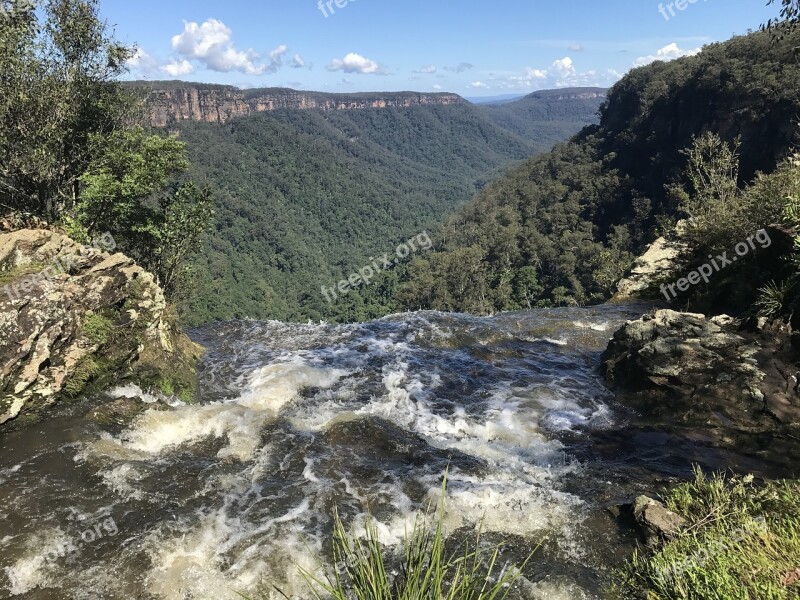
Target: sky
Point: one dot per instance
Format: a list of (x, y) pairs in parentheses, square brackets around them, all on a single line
[(470, 47)]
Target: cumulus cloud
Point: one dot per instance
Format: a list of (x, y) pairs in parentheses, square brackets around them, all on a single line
[(561, 73), (430, 69), (667, 53), (177, 68), (211, 45), (141, 60), (298, 62), (478, 85), (355, 63), (530, 77), (276, 56), (436, 86)]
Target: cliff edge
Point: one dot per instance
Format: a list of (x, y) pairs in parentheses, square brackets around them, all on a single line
[(74, 318)]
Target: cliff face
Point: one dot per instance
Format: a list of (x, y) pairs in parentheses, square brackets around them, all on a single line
[(220, 105)]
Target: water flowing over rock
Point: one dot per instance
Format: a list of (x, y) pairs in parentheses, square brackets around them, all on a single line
[(72, 315)]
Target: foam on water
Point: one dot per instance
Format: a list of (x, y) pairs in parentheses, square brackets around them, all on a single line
[(302, 419)]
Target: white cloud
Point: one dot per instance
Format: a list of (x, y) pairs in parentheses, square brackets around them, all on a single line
[(667, 53), (563, 68), (354, 63), (436, 86), (561, 73), (460, 68), (430, 69), (211, 44), (478, 85), (178, 68), (141, 60), (530, 77), (276, 56), (576, 48), (298, 62)]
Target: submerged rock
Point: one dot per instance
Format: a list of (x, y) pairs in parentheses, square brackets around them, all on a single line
[(73, 316)]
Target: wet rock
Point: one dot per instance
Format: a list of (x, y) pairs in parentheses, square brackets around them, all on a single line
[(72, 316), (654, 521), (121, 411)]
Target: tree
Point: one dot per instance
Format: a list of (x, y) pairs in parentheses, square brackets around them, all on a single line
[(57, 91), (72, 150), (789, 18)]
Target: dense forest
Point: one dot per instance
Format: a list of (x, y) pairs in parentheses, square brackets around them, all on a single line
[(307, 197), (563, 227)]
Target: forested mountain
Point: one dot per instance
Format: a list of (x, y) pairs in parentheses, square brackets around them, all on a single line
[(307, 197), (558, 111), (564, 226)]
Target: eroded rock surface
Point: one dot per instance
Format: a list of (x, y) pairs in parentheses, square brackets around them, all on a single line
[(692, 369), (72, 316)]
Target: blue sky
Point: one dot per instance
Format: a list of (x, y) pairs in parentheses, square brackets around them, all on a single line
[(469, 47)]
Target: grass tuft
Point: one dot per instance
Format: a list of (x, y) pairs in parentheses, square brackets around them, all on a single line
[(742, 543), (427, 570)]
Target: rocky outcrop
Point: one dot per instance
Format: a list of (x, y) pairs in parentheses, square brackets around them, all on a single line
[(692, 369), (661, 262), (73, 317), (220, 104)]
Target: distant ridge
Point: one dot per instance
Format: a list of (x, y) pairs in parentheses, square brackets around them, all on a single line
[(171, 102)]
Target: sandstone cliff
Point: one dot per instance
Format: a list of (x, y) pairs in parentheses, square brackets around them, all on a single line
[(73, 317), (219, 104)]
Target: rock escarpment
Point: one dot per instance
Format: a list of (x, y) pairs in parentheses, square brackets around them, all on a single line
[(74, 317), (660, 262), (694, 370), (219, 104)]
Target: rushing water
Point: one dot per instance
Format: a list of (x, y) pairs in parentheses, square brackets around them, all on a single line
[(296, 420)]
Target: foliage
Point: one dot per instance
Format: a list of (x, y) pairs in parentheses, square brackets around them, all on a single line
[(97, 328), (776, 300), (305, 198), (581, 213), (56, 92), (72, 150), (789, 18), (742, 542), (562, 112)]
